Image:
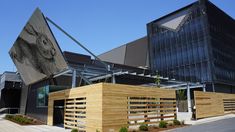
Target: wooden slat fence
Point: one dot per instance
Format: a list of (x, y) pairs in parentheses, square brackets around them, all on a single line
[(210, 104), (150, 110), (108, 107)]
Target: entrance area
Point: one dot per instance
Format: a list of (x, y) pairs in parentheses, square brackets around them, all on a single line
[(58, 114)]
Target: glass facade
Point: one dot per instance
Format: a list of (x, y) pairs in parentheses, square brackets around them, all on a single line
[(43, 92), (222, 32), (42, 96), (183, 53), (194, 44)]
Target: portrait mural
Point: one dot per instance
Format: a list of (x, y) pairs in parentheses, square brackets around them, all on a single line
[(36, 53)]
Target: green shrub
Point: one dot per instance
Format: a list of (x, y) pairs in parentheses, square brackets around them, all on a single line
[(9, 117), (123, 129), (176, 122), (74, 130), (162, 124), (143, 127), (19, 119), (22, 119), (97, 130)]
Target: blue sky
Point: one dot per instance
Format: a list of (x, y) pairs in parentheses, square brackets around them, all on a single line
[(100, 25)]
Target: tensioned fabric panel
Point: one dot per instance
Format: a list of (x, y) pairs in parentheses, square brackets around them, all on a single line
[(116, 55), (136, 53)]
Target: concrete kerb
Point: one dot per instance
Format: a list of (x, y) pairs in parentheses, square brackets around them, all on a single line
[(210, 119)]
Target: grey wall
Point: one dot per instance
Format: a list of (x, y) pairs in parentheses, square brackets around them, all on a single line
[(116, 55), (132, 54), (23, 99), (136, 53)]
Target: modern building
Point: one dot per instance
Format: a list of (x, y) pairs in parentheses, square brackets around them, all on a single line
[(188, 45), (88, 71), (10, 91), (194, 44)]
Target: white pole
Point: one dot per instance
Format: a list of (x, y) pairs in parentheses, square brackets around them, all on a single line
[(204, 87), (189, 99), (113, 79), (74, 79)]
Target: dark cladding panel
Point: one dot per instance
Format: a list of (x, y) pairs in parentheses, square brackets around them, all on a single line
[(136, 53), (36, 53), (178, 45), (75, 58), (222, 31), (116, 55), (32, 109)]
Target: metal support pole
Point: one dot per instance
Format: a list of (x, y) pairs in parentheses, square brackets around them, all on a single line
[(204, 87), (78, 43), (74, 78), (213, 87), (189, 99), (113, 79)]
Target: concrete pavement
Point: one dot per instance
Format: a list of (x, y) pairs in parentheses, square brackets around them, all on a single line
[(210, 119), (8, 126), (221, 125)]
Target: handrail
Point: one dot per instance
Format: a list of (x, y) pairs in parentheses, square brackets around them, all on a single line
[(9, 110)]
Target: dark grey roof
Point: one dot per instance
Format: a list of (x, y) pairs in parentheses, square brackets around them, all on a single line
[(10, 76)]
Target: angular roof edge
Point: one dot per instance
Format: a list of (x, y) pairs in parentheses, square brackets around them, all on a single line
[(183, 8)]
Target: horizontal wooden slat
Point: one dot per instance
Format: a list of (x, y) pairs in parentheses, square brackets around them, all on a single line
[(149, 118), (74, 118), (152, 122), (74, 127), (229, 102), (75, 110), (203, 104), (146, 105), (149, 113), (229, 99), (151, 109), (76, 101), (203, 98), (73, 122), (74, 114), (134, 100)]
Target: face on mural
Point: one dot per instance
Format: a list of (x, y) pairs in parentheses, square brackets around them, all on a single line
[(45, 46)]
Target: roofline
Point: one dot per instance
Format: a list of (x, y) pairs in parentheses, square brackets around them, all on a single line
[(122, 45), (222, 10), (74, 53), (8, 72), (165, 16)]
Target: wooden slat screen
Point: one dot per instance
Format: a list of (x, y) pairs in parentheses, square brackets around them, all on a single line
[(75, 113), (229, 105), (108, 107), (149, 110), (213, 104)]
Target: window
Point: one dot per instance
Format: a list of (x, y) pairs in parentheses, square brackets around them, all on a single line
[(42, 96)]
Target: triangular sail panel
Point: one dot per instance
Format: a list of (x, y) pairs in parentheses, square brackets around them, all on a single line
[(36, 53), (175, 21)]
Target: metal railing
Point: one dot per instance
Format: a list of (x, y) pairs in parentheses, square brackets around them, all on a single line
[(9, 110)]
